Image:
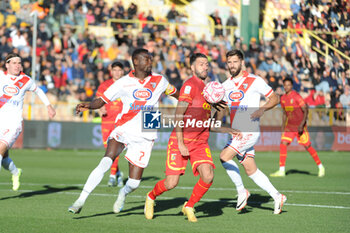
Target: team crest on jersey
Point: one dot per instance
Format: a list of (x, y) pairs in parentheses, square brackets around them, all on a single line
[(245, 85), (142, 94), (153, 84), (11, 90), (236, 96)]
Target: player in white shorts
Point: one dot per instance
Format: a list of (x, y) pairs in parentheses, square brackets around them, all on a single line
[(139, 90), (242, 93), (13, 86)]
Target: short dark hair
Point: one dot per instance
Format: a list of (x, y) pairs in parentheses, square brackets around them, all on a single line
[(117, 63), (10, 56), (235, 52), (138, 52), (288, 79), (194, 57)]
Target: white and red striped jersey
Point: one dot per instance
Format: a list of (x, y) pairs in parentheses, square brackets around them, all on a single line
[(243, 98), (12, 91), (136, 96)]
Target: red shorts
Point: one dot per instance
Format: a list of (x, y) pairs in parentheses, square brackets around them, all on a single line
[(176, 163), (106, 131), (304, 139)]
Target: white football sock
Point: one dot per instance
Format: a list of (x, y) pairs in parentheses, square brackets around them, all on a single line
[(8, 164), (263, 182), (233, 172), (95, 178), (283, 169), (130, 186), (320, 166), (113, 176)]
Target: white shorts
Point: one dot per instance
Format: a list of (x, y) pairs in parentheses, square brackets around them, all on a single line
[(9, 133), (244, 147), (138, 148)]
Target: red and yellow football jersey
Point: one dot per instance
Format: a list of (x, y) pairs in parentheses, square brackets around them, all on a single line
[(292, 103), (198, 111), (112, 108)]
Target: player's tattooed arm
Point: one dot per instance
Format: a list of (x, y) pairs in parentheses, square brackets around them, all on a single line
[(95, 104), (179, 117), (220, 106)]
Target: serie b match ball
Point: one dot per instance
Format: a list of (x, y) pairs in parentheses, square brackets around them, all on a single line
[(213, 92)]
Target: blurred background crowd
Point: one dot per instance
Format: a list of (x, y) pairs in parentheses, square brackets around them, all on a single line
[(73, 60)]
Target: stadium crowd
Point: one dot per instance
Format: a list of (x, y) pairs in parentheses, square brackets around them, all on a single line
[(73, 62)]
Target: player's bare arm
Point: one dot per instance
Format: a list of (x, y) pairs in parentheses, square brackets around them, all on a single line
[(220, 106), (284, 119), (272, 101), (95, 104), (305, 110), (179, 116), (51, 111)]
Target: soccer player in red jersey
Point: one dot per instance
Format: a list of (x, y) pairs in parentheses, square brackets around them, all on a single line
[(189, 142), (109, 113), (295, 113)]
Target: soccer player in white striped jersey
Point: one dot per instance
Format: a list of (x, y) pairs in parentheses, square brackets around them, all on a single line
[(13, 86), (139, 90), (242, 93)]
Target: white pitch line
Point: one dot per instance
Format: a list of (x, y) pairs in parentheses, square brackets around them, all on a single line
[(186, 188), (203, 199)]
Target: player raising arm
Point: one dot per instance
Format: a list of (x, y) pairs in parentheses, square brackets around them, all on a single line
[(243, 92), (138, 90), (13, 86)]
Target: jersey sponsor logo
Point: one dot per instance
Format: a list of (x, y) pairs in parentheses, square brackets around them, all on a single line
[(187, 90), (236, 96), (11, 90), (142, 94), (206, 106)]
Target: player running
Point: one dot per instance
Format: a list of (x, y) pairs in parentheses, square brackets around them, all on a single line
[(109, 113), (243, 92), (13, 86), (295, 112), (138, 90), (189, 143)]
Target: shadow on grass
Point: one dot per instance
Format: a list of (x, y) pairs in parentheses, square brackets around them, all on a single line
[(48, 190), (95, 215), (215, 208), (295, 171)]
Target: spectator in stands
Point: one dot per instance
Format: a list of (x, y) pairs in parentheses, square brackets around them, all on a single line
[(231, 22), (218, 23), (295, 8), (280, 24), (172, 14), (132, 10), (344, 99), (173, 75)]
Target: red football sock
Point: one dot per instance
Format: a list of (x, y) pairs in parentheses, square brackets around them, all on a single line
[(158, 189), (283, 155), (198, 192), (114, 167), (314, 155)]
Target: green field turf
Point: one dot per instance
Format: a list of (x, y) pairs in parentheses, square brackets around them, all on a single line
[(52, 180)]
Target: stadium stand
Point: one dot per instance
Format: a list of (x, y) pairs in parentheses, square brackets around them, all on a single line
[(77, 39)]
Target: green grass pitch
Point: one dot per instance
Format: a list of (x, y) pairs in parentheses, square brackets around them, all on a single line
[(52, 180)]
